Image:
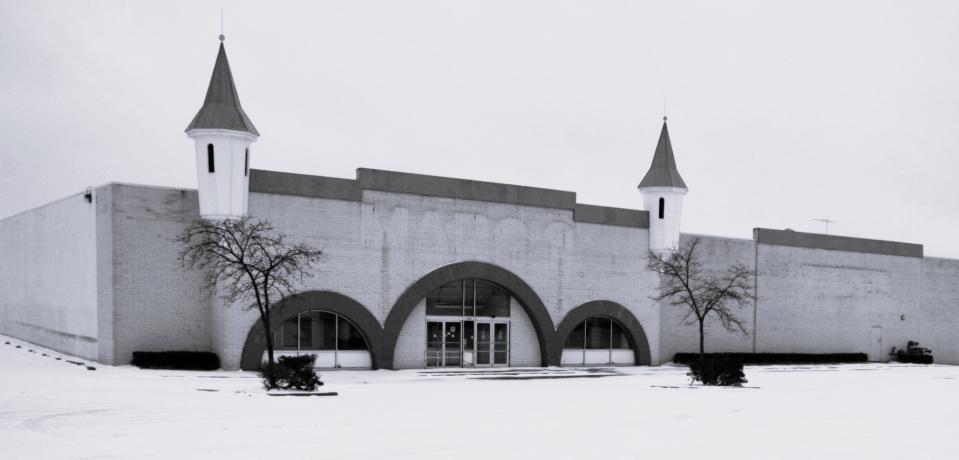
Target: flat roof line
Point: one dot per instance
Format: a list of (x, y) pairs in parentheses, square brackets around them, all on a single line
[(444, 187), (835, 243)]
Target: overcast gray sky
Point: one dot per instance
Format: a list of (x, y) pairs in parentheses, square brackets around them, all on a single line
[(778, 113)]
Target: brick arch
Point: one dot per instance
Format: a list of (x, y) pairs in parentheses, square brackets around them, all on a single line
[(328, 301), (634, 330), (417, 291)]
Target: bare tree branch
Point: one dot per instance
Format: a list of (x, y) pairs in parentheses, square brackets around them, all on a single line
[(685, 285), (248, 263)]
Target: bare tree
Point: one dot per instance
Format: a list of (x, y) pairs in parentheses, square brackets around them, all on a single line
[(247, 262), (684, 284)]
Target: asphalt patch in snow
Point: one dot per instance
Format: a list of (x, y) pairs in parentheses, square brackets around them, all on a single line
[(545, 377), (696, 387), (329, 393)]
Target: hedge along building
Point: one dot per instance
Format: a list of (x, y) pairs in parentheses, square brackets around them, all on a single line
[(424, 271)]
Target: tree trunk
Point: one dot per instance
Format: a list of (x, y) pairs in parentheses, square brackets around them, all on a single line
[(271, 364), (702, 347)]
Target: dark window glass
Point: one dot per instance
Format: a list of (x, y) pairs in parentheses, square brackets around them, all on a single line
[(491, 300), (326, 331), (500, 344), (246, 163), (577, 337), (306, 330), (662, 207), (447, 300), (597, 333), (286, 335), (317, 331), (469, 297), (619, 340), (468, 334), (483, 343), (349, 337), (434, 344), (451, 336), (209, 158)]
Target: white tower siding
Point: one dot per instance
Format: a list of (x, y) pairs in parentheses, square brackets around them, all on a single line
[(223, 192), (664, 232)]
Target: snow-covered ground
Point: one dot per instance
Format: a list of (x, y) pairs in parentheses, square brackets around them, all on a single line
[(56, 409)]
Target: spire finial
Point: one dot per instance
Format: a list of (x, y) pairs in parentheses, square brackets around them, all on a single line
[(664, 110), (222, 37)]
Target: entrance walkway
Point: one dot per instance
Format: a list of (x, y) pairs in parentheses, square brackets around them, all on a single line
[(514, 373)]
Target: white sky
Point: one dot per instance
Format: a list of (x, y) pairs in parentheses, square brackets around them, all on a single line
[(779, 114)]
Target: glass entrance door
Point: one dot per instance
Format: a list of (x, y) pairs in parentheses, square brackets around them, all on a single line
[(479, 342), (443, 343), (501, 344), (483, 344), (492, 343), (452, 348), (469, 344)]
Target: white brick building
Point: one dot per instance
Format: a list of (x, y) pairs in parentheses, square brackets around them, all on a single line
[(425, 271)]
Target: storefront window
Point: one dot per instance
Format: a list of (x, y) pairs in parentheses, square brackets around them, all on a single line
[(318, 331), (618, 341), (597, 333), (349, 337), (469, 297)]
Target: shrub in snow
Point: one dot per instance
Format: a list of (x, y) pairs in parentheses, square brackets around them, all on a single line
[(293, 373), (913, 354), (717, 371), (916, 359), (183, 360)]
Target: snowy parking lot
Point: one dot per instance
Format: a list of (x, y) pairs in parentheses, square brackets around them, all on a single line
[(53, 408)]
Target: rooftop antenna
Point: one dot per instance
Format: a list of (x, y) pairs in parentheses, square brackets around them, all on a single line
[(222, 37), (825, 221)]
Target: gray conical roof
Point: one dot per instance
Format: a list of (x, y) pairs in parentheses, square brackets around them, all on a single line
[(663, 172), (221, 108)]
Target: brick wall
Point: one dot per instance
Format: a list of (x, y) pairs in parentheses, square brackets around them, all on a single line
[(811, 300), (410, 350), (157, 304), (377, 248), (825, 301), (524, 348), (716, 255), (939, 321), (821, 301)]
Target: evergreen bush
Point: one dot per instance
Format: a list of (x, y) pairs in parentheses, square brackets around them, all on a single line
[(179, 360), (916, 359), (293, 373), (717, 371)]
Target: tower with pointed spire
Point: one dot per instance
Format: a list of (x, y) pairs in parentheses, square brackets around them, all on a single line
[(663, 190), (222, 133)]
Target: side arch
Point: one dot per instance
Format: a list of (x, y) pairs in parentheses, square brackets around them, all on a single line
[(528, 299), (634, 330), (330, 301)]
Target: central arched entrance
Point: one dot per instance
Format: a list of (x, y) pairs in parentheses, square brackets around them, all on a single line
[(468, 324), (474, 313)]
